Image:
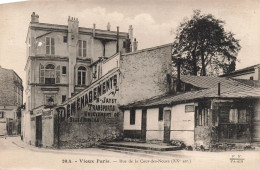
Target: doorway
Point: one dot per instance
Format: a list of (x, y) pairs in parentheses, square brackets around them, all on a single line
[(38, 131), (143, 125), (167, 126)]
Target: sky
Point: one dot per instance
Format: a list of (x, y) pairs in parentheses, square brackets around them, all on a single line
[(154, 22)]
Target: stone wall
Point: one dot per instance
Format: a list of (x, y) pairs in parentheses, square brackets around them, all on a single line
[(92, 116), (89, 134), (144, 73), (7, 88)]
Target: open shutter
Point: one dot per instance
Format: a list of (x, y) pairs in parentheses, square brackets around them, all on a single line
[(58, 74), (84, 48), (41, 74), (52, 46), (47, 45), (80, 47)]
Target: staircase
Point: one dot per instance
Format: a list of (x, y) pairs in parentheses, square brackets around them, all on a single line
[(136, 147)]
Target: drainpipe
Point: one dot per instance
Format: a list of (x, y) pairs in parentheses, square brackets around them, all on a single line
[(117, 39), (218, 88)]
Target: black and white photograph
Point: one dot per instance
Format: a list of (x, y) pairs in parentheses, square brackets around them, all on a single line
[(129, 84)]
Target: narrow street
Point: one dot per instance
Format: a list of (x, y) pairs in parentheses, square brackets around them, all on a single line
[(14, 154)]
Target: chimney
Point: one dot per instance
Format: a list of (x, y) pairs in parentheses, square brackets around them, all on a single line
[(218, 88), (34, 18), (257, 73), (108, 26), (94, 30), (135, 44), (117, 39), (130, 32)]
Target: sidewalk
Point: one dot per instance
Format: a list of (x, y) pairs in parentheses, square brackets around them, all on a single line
[(100, 152), (18, 142)]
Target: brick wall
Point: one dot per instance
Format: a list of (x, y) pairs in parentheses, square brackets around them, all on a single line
[(143, 73)]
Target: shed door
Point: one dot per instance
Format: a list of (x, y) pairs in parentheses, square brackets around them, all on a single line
[(38, 130), (167, 126), (143, 127)]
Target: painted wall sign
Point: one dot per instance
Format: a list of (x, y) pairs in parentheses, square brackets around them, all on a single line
[(189, 108), (95, 104)]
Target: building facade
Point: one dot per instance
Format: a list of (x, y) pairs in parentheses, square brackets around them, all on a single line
[(203, 113), (59, 58), (62, 61), (248, 73), (11, 100)]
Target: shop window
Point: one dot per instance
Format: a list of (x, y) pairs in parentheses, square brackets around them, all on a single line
[(50, 45), (201, 116), (132, 116), (234, 124), (81, 75), (160, 116), (82, 48), (233, 115)]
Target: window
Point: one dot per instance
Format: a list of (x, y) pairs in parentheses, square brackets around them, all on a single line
[(50, 45), (160, 117), (81, 75), (1, 114), (49, 99), (82, 48), (63, 98), (64, 70), (47, 74), (234, 123), (201, 116), (132, 116), (65, 39), (251, 78)]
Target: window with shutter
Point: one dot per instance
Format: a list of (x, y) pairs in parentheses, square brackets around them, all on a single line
[(58, 74), (84, 48), (41, 74), (52, 46), (80, 47), (48, 45)]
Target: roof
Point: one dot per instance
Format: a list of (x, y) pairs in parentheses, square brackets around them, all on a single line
[(229, 88), (206, 82), (82, 30), (243, 70)]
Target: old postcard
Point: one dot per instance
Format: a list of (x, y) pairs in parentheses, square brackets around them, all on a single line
[(130, 84)]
